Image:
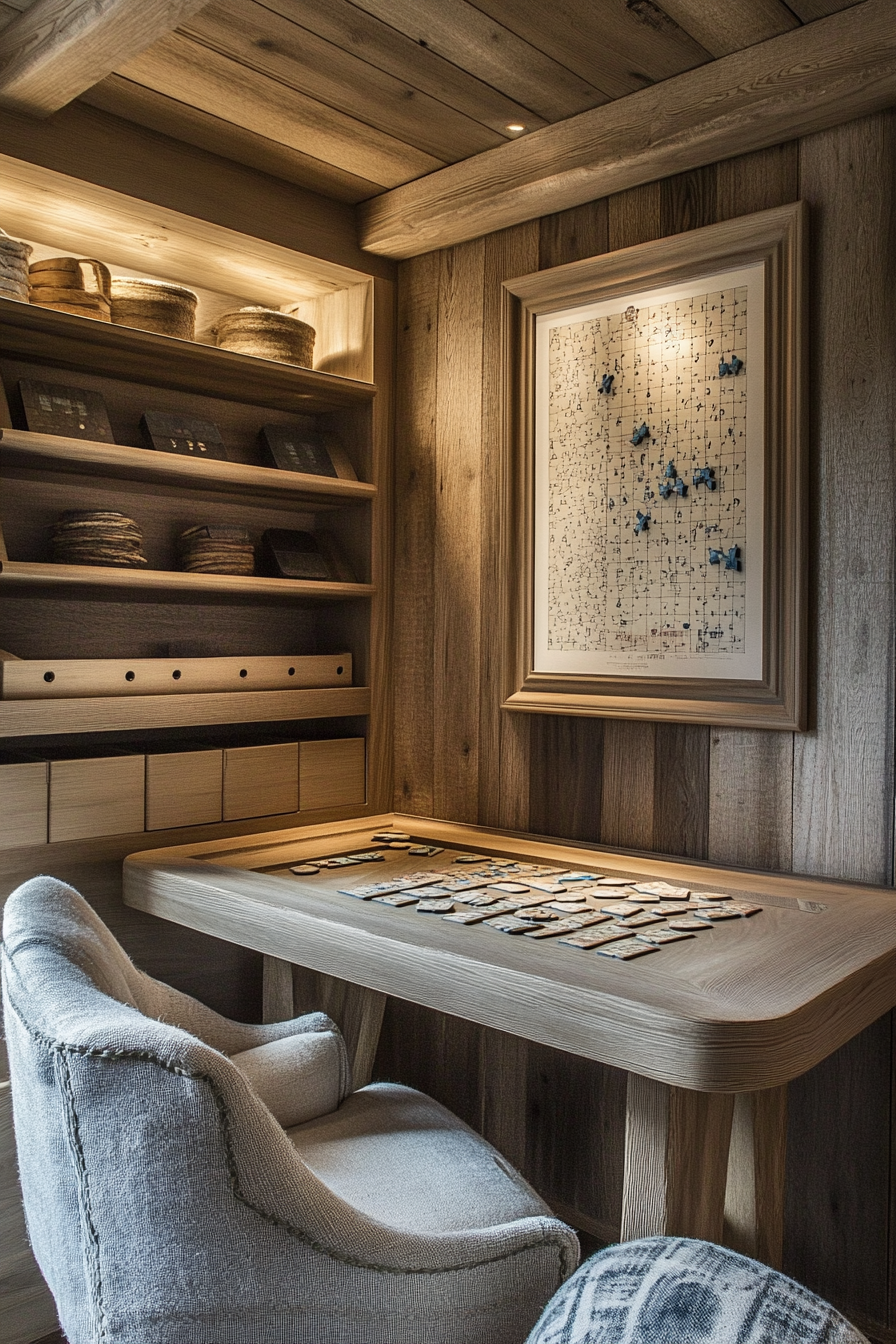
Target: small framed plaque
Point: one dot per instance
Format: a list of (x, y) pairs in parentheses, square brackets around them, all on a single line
[(303, 447), (184, 434), (55, 408)]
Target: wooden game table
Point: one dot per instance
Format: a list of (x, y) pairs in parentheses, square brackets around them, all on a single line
[(709, 1030)]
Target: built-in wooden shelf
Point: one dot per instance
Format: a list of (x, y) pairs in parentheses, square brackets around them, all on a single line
[(128, 713), (26, 574), (103, 348), (84, 457)]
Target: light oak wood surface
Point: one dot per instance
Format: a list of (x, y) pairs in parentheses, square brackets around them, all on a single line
[(802, 81), (51, 679), (101, 796), (27, 1310), (261, 781), (103, 714), (23, 804), (735, 1010), (19, 574), (183, 788), (710, 1036), (58, 48), (289, 489), (332, 773)]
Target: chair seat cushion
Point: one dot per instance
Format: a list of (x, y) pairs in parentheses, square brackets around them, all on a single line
[(386, 1152)]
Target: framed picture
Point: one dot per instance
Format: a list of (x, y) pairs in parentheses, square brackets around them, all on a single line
[(187, 435), (56, 408), (654, 513)]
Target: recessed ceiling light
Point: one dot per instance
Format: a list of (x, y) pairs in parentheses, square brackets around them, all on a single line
[(515, 127)]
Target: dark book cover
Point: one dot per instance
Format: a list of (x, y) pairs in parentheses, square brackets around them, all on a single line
[(297, 448), (55, 408), (184, 434)]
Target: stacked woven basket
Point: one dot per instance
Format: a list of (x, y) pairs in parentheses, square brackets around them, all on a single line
[(97, 537), (13, 268), (213, 549), (72, 285)]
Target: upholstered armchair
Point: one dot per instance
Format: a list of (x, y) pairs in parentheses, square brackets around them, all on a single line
[(192, 1180)]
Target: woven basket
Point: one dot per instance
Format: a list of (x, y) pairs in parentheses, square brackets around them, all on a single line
[(13, 268), (267, 334), (72, 285), (154, 305)]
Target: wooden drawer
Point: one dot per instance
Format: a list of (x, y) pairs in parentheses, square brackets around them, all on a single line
[(93, 796), (23, 803), (184, 788), (261, 781), (332, 773)]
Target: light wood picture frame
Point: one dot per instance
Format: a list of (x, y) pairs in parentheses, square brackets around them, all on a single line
[(657, 569)]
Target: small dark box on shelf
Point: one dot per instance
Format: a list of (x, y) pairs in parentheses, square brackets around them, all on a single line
[(304, 555), (184, 434), (299, 447), (55, 408)]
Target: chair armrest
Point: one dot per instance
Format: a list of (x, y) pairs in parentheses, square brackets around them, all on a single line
[(299, 1077)]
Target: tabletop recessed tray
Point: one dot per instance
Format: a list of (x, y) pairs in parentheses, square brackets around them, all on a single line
[(718, 1013)]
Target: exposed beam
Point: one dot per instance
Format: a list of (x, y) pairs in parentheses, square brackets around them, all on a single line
[(806, 80), (58, 48)]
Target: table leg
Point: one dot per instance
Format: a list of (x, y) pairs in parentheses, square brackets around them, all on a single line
[(358, 1012), (676, 1159), (754, 1199)]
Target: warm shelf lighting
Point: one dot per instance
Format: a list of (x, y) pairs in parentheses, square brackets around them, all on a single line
[(515, 127)]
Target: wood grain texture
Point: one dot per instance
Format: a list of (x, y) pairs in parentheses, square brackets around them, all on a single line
[(332, 773), (177, 120), (754, 1197), (58, 48), (627, 796), (353, 29), (182, 68), (183, 788), (278, 1000), (843, 770), (681, 790), (503, 740), (566, 776), (750, 817), (462, 34), (671, 1136), (271, 44), (415, 514), (457, 584), (260, 781), (619, 48), (814, 77), (24, 804), (718, 1014), (721, 26), (96, 797)]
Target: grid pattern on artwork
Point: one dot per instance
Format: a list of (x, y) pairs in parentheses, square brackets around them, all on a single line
[(652, 592)]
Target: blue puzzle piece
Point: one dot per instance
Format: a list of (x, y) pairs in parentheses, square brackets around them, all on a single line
[(681, 488), (666, 489), (606, 382), (724, 369), (642, 524), (736, 364), (704, 476), (640, 433), (730, 557), (671, 473)]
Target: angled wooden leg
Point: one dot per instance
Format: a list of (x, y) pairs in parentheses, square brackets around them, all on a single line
[(754, 1199), (358, 1012), (676, 1160)]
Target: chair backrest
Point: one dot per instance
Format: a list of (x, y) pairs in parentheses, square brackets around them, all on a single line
[(116, 1113)]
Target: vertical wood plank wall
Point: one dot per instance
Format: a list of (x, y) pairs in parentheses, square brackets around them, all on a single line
[(819, 802)]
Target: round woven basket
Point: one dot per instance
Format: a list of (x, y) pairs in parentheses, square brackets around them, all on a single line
[(267, 334), (154, 305), (13, 268)]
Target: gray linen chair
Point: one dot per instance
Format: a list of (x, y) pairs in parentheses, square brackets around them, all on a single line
[(192, 1180)]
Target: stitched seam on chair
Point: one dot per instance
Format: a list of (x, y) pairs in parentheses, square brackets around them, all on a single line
[(147, 1056), (91, 1237)]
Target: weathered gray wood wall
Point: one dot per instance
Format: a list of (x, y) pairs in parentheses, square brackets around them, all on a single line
[(819, 802)]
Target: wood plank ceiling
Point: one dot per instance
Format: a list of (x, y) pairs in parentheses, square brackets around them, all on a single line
[(352, 99)]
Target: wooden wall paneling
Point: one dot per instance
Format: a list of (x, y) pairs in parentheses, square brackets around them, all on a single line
[(750, 819), (837, 1199), (843, 769), (415, 526), (758, 181), (839, 1159), (503, 738), (458, 582), (27, 1310), (575, 1131), (572, 235), (566, 775), (681, 789), (436, 1053)]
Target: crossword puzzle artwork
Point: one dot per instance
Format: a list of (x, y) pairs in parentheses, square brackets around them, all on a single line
[(649, 462)]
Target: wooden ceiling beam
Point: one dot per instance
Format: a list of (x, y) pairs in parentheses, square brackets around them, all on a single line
[(817, 76), (56, 49)]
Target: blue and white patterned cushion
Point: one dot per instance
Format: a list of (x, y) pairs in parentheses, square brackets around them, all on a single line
[(670, 1290)]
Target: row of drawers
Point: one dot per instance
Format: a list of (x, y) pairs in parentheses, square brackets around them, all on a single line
[(59, 800)]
